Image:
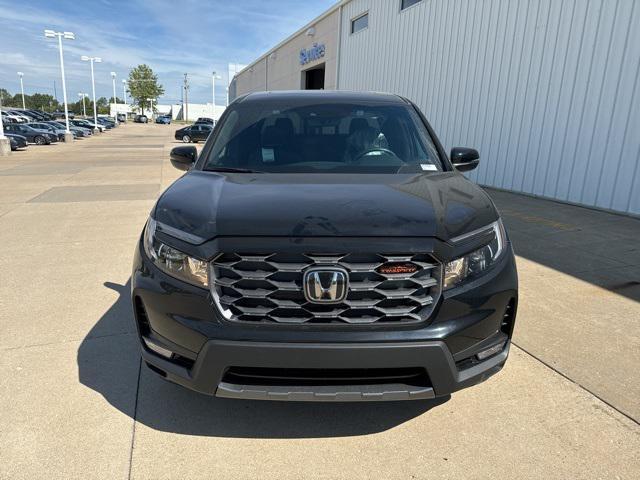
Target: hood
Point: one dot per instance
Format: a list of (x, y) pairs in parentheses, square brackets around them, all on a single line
[(15, 136), (206, 204)]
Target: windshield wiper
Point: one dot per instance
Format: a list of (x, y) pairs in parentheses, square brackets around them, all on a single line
[(232, 170)]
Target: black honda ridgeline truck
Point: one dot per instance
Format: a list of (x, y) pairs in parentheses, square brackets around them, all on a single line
[(323, 246)]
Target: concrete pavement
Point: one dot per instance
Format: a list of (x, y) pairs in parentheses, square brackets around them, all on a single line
[(75, 403)]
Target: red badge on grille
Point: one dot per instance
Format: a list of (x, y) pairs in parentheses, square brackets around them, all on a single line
[(397, 268)]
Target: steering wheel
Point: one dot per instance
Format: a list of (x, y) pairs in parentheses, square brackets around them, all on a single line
[(376, 149)]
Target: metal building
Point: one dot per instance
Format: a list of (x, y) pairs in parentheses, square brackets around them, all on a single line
[(547, 90)]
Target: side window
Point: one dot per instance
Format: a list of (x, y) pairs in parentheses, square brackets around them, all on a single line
[(360, 23), (408, 3)]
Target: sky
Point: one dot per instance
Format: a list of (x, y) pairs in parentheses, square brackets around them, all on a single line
[(171, 36)]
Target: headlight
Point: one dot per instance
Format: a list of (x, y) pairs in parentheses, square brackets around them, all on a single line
[(173, 262), (475, 263)]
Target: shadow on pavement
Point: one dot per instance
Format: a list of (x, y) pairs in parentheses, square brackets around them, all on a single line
[(167, 407), (598, 247)]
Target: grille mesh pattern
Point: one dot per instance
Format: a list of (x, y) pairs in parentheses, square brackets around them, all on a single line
[(268, 288)]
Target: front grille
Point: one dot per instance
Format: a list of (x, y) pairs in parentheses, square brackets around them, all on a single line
[(268, 288), (312, 376)]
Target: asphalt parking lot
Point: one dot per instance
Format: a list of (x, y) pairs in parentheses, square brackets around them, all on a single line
[(76, 403)]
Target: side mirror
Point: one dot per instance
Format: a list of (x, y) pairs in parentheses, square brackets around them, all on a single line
[(464, 159), (183, 158)]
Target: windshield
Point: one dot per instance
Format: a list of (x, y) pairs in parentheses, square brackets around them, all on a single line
[(322, 137)]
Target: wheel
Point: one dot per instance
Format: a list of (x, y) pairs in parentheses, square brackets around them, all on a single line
[(186, 138), (40, 140)]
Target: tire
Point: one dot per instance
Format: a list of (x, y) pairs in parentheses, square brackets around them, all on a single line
[(186, 138), (40, 140)]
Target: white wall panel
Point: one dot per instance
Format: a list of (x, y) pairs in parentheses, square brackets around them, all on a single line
[(547, 90)]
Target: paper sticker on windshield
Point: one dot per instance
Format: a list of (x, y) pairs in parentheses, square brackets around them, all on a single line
[(427, 167), (268, 156)]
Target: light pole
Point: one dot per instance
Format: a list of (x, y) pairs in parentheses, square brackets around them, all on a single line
[(84, 58), (124, 94), (150, 100), (20, 74), (5, 143), (68, 136), (84, 107), (115, 102), (124, 90), (214, 77)]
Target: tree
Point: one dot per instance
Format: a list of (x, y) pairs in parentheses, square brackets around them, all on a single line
[(40, 101), (143, 84), (102, 105), (37, 101), (5, 98), (77, 107)]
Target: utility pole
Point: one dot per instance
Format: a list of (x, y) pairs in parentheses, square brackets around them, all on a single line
[(84, 108), (214, 77), (124, 91), (115, 103), (185, 106)]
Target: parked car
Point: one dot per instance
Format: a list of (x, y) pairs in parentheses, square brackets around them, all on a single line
[(16, 141), (122, 117), (164, 119), (58, 132), (87, 124), (194, 133), (324, 246), (33, 135), (106, 123), (6, 118), (10, 117), (34, 115), (60, 115), (140, 119), (42, 116), (205, 120), (30, 117), (78, 131), (23, 118)]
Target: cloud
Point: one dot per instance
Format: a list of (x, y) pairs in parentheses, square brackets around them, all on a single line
[(198, 37), (13, 59)]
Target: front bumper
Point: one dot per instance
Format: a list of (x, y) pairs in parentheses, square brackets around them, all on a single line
[(208, 372), (183, 319)]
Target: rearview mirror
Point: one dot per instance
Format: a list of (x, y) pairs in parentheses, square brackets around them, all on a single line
[(183, 158), (464, 159)]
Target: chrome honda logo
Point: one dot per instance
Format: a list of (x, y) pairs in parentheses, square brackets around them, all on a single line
[(326, 285)]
